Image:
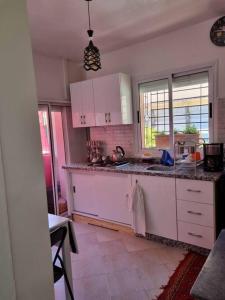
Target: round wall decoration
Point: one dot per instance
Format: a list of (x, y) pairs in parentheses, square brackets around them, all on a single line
[(217, 33)]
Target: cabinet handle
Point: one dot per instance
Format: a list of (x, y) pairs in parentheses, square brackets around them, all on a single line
[(106, 120), (194, 213), (193, 191), (74, 189), (84, 117), (109, 117), (195, 235), (81, 119)]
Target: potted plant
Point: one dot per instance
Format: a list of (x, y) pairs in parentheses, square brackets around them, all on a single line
[(162, 140), (190, 133)]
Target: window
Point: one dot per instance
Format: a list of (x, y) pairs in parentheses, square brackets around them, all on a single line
[(176, 109)]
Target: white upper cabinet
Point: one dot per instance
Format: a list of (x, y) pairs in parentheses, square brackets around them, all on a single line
[(82, 101), (113, 105), (102, 101)]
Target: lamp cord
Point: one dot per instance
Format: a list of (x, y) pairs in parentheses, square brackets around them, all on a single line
[(89, 19)]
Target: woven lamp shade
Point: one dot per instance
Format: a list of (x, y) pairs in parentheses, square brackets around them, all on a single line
[(92, 57)]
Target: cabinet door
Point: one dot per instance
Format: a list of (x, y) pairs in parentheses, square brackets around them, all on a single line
[(107, 100), (88, 107), (76, 92), (195, 190), (83, 187), (100, 102), (160, 205), (112, 192)]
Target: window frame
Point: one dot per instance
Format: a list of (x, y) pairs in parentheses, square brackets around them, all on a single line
[(211, 68)]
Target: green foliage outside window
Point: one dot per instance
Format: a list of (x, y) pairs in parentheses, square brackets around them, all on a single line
[(150, 134), (191, 129)]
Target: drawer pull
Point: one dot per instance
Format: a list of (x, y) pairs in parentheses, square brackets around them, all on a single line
[(195, 235), (193, 191), (109, 117), (194, 213)]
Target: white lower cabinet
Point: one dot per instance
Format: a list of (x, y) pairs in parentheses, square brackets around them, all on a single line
[(160, 204), (178, 209), (112, 196), (84, 193), (196, 212), (195, 190), (196, 235), (102, 195)]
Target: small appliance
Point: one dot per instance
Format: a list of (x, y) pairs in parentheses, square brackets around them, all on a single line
[(118, 154), (213, 157)]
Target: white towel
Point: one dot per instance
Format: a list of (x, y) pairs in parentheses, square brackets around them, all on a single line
[(137, 207)]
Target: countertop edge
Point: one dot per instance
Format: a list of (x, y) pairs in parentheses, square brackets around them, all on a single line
[(213, 177)]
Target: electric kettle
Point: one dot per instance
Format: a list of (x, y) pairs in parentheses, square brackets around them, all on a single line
[(118, 154)]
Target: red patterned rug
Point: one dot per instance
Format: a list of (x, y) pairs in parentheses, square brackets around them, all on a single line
[(181, 282)]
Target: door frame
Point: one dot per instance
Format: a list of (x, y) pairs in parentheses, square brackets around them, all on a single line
[(46, 107), (56, 106)]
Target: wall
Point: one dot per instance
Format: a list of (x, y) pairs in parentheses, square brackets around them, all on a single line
[(187, 47), (221, 121), (21, 172), (7, 280), (50, 74), (75, 139), (53, 75)]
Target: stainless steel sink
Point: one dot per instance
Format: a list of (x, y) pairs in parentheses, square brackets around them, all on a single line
[(160, 168)]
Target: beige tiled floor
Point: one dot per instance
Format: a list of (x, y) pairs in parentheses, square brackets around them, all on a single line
[(117, 266)]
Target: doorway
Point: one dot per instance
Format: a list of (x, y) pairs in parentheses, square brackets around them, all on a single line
[(51, 119)]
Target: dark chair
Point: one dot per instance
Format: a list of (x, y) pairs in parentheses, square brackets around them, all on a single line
[(58, 238)]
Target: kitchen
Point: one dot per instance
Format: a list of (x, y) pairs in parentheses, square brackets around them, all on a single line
[(160, 86)]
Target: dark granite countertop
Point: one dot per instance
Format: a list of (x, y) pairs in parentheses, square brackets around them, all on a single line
[(141, 169), (209, 284)]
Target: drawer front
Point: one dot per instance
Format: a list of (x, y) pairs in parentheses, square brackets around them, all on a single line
[(195, 190), (196, 235), (197, 213)]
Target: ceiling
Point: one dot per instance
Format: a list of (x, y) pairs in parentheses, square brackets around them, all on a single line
[(58, 27)]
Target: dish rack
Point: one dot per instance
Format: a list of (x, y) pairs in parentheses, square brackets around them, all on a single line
[(188, 154)]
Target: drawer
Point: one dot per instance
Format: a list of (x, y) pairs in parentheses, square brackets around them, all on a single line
[(196, 235), (197, 213), (195, 190)]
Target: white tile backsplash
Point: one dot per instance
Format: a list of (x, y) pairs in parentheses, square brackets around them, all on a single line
[(112, 136)]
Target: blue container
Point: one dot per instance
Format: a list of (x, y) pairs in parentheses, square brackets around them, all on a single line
[(166, 159)]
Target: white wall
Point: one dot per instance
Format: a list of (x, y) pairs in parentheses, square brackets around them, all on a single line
[(22, 178), (188, 46), (75, 139), (7, 280), (53, 76), (75, 72), (50, 74)]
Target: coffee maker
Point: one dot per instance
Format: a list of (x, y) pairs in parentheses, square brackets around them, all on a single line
[(213, 157)]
